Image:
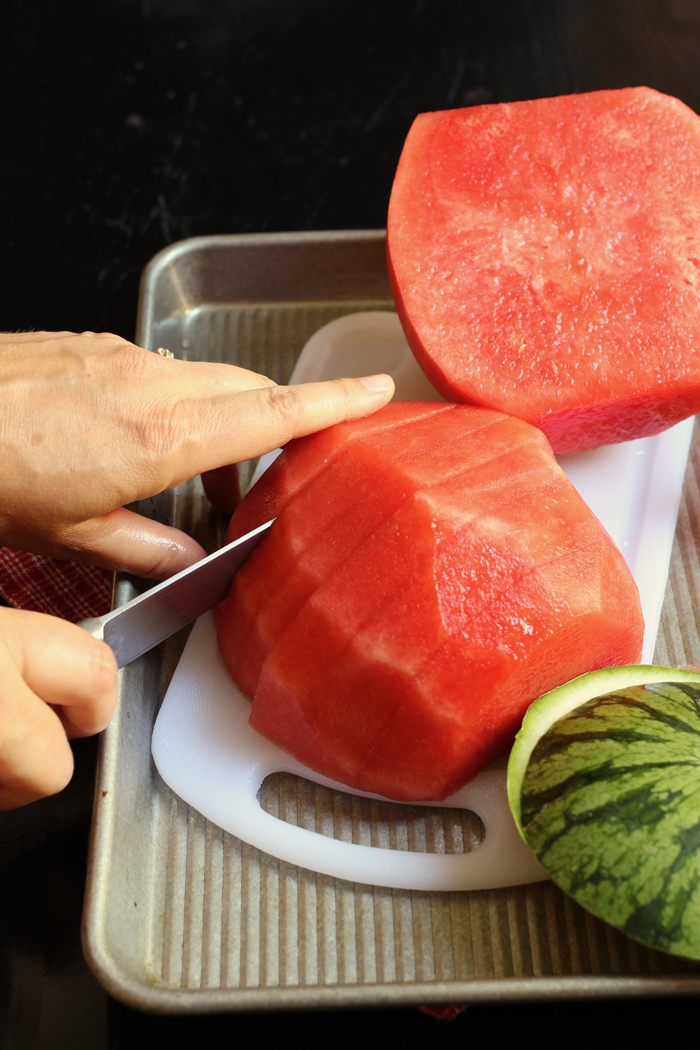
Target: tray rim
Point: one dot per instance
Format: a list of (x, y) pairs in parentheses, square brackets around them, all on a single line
[(167, 256), (164, 999), (160, 998)]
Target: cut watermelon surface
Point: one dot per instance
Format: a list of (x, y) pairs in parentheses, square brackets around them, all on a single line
[(416, 594), (545, 260), (307, 457), (335, 512), (278, 578)]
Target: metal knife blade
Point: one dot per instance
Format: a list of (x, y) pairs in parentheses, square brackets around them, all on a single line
[(150, 618)]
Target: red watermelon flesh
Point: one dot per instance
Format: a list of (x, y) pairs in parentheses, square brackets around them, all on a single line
[(545, 260), (392, 640), (409, 665), (291, 475), (303, 460), (306, 457), (401, 749), (331, 516)]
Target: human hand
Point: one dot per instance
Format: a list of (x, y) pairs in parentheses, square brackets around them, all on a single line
[(89, 423), (57, 682)]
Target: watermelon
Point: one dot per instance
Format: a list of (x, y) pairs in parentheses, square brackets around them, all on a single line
[(545, 260), (427, 576), (604, 784), (260, 608)]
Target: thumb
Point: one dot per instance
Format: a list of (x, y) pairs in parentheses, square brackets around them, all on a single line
[(127, 542)]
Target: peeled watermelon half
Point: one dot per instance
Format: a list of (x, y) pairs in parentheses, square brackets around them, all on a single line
[(431, 572), (545, 260)]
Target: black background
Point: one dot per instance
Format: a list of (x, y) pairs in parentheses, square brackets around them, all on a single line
[(128, 124)]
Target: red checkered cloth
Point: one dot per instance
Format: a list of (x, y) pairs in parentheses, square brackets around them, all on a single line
[(71, 590)]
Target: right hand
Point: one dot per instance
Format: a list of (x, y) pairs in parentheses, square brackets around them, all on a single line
[(56, 682)]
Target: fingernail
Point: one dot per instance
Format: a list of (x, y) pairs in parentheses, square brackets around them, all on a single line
[(378, 384)]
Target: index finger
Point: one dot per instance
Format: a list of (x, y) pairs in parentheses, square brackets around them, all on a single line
[(210, 433)]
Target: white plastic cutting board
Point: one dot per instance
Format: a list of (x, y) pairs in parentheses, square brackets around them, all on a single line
[(206, 752)]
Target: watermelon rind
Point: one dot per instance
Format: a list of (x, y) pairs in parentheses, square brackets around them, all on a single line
[(604, 784), (548, 709)]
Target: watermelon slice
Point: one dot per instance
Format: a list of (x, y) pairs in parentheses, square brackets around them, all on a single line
[(603, 784), (545, 260), (410, 639)]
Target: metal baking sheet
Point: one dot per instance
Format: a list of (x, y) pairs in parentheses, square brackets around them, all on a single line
[(183, 917)]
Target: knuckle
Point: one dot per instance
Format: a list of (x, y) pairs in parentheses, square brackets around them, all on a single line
[(164, 427), (108, 338), (103, 669), (286, 403), (163, 561), (158, 427), (113, 357), (132, 362), (109, 357), (346, 389)]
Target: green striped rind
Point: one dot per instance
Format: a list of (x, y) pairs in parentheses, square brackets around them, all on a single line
[(544, 712), (608, 799)]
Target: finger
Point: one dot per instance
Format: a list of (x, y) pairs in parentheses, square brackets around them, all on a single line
[(113, 358), (222, 487), (127, 542), (226, 430), (46, 661), (65, 667), (35, 757), (167, 381), (205, 379)]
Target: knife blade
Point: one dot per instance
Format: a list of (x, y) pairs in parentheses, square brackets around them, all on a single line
[(150, 618)]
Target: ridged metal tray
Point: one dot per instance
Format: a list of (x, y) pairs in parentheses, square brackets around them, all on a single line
[(183, 917)]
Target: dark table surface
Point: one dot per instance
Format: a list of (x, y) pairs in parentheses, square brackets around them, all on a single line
[(129, 124)]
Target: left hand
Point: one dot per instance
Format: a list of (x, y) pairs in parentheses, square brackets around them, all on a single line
[(89, 423)]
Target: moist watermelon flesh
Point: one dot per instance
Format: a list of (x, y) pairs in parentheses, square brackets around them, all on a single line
[(256, 602), (305, 458), (410, 639), (334, 513), (545, 260)]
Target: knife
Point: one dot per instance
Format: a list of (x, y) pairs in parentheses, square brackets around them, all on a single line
[(150, 618)]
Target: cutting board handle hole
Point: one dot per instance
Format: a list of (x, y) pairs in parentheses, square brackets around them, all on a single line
[(368, 821)]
